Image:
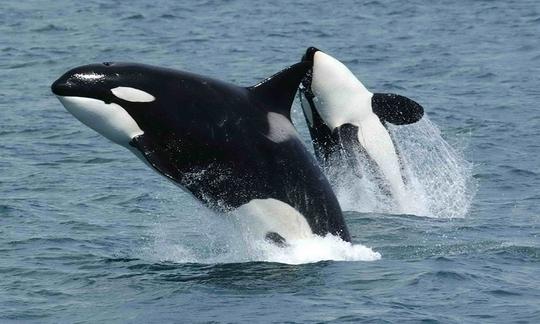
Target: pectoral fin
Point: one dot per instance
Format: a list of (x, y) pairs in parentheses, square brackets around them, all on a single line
[(396, 109), (157, 156)]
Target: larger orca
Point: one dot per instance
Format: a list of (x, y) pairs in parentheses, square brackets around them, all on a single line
[(344, 116), (232, 147)]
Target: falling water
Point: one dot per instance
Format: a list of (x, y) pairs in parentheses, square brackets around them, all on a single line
[(438, 179)]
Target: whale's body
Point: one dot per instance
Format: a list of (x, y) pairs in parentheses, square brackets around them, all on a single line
[(231, 147), (343, 116)]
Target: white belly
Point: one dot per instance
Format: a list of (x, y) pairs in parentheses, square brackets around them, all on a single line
[(262, 216)]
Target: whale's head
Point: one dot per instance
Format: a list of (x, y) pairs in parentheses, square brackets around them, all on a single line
[(111, 98), (331, 92)]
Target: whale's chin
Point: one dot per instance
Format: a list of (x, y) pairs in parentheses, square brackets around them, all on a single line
[(108, 119)]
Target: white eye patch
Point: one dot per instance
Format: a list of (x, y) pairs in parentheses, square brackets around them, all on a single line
[(132, 94)]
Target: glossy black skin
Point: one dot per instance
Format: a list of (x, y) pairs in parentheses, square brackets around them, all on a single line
[(343, 140), (210, 137)]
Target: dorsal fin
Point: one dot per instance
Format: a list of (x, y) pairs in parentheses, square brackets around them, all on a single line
[(278, 90)]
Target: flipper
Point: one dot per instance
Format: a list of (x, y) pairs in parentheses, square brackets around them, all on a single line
[(396, 109), (162, 163)]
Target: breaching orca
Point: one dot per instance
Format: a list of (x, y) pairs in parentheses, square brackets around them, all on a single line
[(344, 116), (232, 147)]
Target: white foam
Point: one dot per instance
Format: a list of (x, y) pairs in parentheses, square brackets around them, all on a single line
[(317, 249), (310, 250), (216, 239)]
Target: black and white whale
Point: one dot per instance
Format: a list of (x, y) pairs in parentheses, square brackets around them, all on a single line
[(343, 116), (233, 148)]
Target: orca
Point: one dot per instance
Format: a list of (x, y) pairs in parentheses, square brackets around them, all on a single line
[(233, 148), (344, 116)]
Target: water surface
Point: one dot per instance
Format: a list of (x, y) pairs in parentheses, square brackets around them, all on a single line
[(88, 233)]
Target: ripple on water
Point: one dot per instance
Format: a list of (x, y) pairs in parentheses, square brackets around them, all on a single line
[(50, 28), (134, 17), (518, 252)]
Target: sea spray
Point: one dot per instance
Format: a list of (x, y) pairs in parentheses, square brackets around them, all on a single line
[(438, 179), (316, 249), (438, 176), (232, 245)]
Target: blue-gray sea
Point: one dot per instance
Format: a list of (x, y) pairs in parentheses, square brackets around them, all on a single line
[(89, 234)]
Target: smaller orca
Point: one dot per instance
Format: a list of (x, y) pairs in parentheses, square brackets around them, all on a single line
[(343, 116), (233, 148)]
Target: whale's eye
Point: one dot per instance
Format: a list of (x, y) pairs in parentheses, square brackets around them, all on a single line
[(107, 63), (132, 94)]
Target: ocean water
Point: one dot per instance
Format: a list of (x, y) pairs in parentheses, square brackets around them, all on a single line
[(89, 234)]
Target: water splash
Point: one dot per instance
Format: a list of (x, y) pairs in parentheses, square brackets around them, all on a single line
[(317, 249), (224, 242), (439, 173), (438, 179), (310, 250)]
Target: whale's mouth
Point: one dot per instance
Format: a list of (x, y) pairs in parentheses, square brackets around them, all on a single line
[(305, 92), (306, 96), (76, 86), (305, 84), (85, 81), (108, 119)]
